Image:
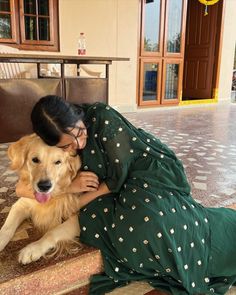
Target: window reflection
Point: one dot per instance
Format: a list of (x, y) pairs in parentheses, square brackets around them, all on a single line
[(44, 29), (174, 26), (5, 19), (30, 6), (30, 28), (5, 5), (171, 84), (150, 81), (5, 26), (43, 7), (152, 25)]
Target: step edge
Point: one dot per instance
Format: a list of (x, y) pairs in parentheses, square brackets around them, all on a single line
[(75, 287), (32, 283)]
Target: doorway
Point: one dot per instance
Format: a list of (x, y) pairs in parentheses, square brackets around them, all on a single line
[(173, 71), (202, 46)]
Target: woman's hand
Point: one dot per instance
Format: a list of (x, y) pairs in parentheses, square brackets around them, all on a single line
[(90, 196), (84, 182)]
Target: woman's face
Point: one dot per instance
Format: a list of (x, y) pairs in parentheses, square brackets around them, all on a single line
[(76, 138)]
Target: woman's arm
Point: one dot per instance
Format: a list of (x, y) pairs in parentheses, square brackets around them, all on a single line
[(90, 196)]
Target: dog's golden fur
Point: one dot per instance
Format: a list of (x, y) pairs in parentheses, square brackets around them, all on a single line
[(57, 218)]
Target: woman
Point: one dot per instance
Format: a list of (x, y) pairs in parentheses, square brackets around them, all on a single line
[(147, 225)]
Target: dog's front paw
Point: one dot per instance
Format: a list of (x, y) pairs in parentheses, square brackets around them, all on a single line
[(30, 253)]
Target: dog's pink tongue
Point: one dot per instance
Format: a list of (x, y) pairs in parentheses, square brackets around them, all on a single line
[(42, 197)]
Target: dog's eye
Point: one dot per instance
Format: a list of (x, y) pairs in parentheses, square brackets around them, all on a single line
[(35, 160), (58, 162)]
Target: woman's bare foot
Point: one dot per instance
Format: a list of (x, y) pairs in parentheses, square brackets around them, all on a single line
[(233, 206)]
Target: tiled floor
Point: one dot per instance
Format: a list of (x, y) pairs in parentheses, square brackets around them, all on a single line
[(204, 138)]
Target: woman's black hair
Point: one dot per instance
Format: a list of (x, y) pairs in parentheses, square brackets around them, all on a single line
[(52, 115)]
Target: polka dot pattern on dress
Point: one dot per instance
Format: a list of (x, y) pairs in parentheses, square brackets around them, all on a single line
[(152, 227)]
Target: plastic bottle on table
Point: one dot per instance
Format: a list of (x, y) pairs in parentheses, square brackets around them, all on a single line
[(81, 44)]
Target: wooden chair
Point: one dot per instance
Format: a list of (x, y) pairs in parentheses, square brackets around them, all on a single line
[(11, 70), (90, 73), (16, 70)]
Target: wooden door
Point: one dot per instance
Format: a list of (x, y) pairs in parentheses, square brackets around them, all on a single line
[(199, 51)]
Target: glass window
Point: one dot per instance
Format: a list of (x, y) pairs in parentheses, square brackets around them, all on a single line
[(150, 73), (5, 26), (44, 31), (36, 25), (5, 20), (5, 5), (43, 7), (174, 26), (161, 55), (30, 6), (172, 79), (30, 24), (30, 28), (152, 25)]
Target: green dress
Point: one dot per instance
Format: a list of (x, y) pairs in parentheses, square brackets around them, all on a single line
[(150, 228)]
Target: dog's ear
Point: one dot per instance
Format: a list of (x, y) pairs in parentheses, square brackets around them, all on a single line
[(74, 164), (17, 151)]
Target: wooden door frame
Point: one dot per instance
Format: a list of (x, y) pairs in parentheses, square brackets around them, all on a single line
[(218, 53), (217, 61)]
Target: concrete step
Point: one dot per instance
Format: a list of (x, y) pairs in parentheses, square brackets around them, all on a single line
[(83, 290), (65, 275), (134, 288), (48, 276)]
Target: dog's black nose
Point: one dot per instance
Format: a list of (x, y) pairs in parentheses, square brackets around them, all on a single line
[(44, 185)]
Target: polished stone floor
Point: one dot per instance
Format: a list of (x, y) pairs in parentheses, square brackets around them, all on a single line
[(203, 137)]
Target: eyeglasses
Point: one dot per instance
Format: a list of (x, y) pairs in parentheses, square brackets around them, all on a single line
[(80, 132)]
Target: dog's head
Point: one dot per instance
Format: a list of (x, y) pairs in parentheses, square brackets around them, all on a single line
[(48, 169)]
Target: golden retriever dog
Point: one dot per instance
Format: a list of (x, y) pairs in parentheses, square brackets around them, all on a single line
[(48, 171)]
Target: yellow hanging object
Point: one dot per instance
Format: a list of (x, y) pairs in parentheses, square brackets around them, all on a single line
[(206, 3)]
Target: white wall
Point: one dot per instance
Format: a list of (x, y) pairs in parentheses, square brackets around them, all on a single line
[(111, 29), (228, 46)]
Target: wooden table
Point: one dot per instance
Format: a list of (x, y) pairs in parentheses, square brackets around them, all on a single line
[(17, 96)]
